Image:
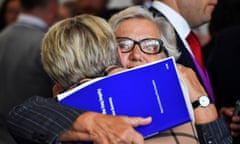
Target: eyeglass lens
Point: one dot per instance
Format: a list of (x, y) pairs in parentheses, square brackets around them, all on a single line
[(150, 46)]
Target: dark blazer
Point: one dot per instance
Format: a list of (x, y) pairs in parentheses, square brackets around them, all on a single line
[(223, 66), (40, 120), (21, 70)]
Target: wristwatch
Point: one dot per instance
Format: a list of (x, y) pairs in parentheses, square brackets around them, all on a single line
[(203, 101)]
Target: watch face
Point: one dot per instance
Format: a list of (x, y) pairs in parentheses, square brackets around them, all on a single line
[(204, 101)]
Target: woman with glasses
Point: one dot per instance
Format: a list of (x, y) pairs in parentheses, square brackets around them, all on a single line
[(143, 39), (140, 41)]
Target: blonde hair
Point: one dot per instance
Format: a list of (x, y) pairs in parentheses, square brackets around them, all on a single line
[(165, 29), (77, 48)]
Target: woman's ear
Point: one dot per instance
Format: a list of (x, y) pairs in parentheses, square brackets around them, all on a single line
[(57, 89)]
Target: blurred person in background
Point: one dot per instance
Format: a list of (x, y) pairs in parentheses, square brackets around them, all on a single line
[(67, 9), (96, 7), (221, 57), (145, 3), (22, 74), (203, 34), (225, 77), (9, 12), (226, 14)]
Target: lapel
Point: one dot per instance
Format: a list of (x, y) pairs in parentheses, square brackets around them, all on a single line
[(186, 58), (155, 12)]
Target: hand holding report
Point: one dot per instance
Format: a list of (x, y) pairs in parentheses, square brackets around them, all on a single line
[(149, 90)]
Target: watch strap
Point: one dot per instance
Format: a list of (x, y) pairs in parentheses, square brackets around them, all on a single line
[(197, 103)]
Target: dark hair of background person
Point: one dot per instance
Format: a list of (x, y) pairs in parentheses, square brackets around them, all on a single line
[(96, 7), (225, 14), (5, 10), (28, 5), (44, 9), (67, 9), (145, 3)]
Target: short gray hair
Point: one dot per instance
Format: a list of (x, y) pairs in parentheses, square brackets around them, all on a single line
[(166, 31)]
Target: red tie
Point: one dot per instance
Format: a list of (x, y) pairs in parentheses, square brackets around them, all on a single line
[(196, 48)]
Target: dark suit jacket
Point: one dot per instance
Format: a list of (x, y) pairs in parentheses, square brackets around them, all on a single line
[(54, 118), (21, 71), (223, 66)]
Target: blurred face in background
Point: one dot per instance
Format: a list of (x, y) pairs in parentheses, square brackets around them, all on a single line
[(51, 12), (94, 7), (63, 12), (12, 11), (196, 12), (67, 9)]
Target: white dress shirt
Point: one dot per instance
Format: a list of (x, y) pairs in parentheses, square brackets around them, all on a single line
[(177, 21)]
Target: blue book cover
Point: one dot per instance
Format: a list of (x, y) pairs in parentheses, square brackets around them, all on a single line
[(152, 90)]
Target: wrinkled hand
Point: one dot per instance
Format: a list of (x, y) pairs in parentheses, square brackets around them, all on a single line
[(106, 129), (232, 121)]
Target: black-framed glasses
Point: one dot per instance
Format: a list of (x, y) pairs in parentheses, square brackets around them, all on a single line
[(148, 45)]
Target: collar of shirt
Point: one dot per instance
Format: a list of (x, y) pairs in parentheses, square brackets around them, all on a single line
[(177, 21), (32, 20)]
